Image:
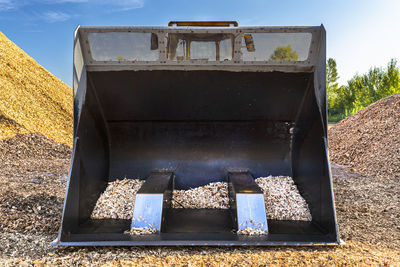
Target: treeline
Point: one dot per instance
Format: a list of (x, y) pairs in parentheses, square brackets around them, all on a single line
[(361, 90)]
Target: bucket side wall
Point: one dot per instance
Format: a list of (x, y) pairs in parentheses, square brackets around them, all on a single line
[(90, 167)]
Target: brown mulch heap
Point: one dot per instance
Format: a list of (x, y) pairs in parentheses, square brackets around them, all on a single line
[(31, 98), (369, 141), (32, 213), (32, 145), (33, 175), (367, 209)]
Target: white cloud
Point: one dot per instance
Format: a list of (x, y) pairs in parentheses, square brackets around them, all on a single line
[(52, 16), (55, 16), (6, 5)]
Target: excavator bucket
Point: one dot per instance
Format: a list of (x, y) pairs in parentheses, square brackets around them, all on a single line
[(190, 104)]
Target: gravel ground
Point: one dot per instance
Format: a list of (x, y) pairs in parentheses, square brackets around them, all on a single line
[(367, 207)]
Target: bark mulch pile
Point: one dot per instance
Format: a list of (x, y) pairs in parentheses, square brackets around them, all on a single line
[(31, 98), (367, 208), (33, 175), (369, 141), (32, 145)]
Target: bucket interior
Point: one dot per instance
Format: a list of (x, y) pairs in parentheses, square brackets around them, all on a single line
[(200, 125)]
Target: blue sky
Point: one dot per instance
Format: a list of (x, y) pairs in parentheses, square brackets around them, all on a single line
[(360, 34)]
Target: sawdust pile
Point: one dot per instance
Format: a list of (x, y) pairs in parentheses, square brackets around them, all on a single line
[(118, 200), (282, 199), (210, 196), (31, 98), (369, 141)]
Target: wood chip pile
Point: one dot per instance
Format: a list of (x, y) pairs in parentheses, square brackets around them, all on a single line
[(282, 199), (118, 200), (31, 98), (369, 141), (141, 231), (211, 196), (252, 231)]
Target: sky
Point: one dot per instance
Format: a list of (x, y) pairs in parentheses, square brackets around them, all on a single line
[(360, 33)]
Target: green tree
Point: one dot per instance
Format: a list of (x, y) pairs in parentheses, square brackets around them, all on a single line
[(332, 86), (363, 90), (284, 53), (390, 80)]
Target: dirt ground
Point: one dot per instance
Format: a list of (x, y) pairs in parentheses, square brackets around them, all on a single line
[(31, 200)]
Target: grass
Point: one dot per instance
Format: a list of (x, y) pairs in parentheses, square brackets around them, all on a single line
[(337, 117)]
